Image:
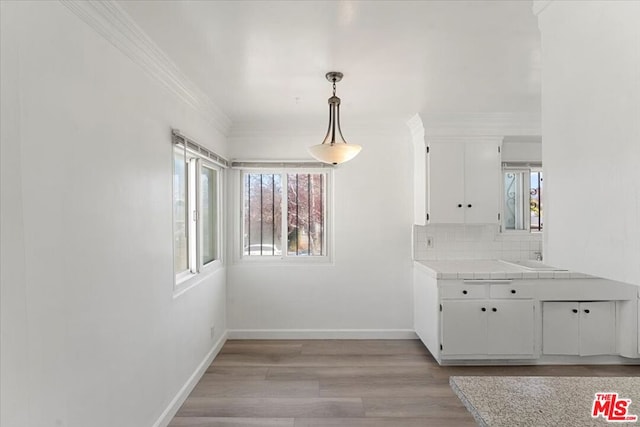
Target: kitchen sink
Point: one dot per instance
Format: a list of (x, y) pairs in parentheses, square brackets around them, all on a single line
[(533, 265)]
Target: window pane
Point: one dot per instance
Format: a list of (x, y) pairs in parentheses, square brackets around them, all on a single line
[(208, 184), (305, 214), (263, 215), (535, 200), (514, 201), (180, 211)]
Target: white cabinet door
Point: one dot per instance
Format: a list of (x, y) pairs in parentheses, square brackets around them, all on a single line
[(481, 183), (463, 181), (585, 328), (510, 325), (446, 182), (560, 328), (488, 327), (597, 328), (464, 327)]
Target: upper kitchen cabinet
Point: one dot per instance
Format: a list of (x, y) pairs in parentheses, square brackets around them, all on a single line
[(462, 181)]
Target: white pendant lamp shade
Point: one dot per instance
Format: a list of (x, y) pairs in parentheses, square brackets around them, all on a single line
[(334, 149), (335, 153)]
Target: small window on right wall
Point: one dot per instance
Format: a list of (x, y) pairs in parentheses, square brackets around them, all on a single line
[(522, 199)]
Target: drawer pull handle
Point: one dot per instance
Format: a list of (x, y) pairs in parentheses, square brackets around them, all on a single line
[(575, 310), (586, 311), (494, 309), (465, 292), (483, 309), (513, 291)]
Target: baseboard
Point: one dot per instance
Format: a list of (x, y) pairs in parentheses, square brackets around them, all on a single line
[(321, 334), (181, 396)]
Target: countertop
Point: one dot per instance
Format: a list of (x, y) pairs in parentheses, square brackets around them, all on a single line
[(490, 269), (542, 401)]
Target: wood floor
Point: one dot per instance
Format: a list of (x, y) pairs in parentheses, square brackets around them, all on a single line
[(363, 383)]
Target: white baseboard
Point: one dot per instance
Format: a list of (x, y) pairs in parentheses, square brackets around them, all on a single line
[(321, 334), (185, 390)]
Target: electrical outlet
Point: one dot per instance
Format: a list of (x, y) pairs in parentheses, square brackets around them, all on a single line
[(213, 331), (429, 242)]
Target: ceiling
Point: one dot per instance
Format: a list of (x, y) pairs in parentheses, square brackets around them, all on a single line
[(266, 60)]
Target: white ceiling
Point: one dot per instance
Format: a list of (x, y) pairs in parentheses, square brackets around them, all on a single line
[(266, 60)]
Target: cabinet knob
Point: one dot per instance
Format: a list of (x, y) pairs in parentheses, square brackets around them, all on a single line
[(483, 309), (459, 205), (464, 292), (513, 291), (575, 310), (469, 205), (494, 309), (586, 311)]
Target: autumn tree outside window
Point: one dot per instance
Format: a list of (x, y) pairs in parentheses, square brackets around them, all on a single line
[(285, 214)]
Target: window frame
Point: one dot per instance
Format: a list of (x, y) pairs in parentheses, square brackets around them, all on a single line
[(217, 228), (181, 275), (541, 205), (526, 185), (328, 216), (196, 268)]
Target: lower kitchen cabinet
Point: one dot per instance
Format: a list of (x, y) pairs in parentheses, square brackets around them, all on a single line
[(475, 320), (488, 327), (464, 327), (579, 328)]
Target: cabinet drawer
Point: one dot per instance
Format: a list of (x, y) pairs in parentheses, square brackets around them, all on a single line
[(463, 291), (511, 290)]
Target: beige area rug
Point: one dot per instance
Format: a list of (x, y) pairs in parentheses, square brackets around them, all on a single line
[(550, 401)]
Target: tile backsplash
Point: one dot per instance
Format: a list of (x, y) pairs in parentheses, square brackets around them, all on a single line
[(459, 241)]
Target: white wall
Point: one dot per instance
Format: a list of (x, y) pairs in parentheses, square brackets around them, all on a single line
[(14, 367), (521, 149), (591, 136), (368, 290), (91, 332)]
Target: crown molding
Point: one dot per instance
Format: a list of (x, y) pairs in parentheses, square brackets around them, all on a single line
[(315, 128), (498, 124), (467, 138), (416, 127), (109, 20), (539, 6)]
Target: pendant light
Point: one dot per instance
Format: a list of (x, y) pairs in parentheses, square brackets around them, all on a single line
[(334, 149)]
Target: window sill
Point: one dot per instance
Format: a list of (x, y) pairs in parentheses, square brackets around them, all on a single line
[(191, 281), (284, 261), (520, 232)]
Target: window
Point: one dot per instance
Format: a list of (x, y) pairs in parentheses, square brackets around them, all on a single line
[(522, 197), (180, 238), (284, 214), (209, 202), (196, 216)]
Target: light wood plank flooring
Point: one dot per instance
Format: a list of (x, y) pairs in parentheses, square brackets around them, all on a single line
[(363, 383)]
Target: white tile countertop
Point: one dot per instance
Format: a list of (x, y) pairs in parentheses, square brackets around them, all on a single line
[(543, 401), (492, 269)]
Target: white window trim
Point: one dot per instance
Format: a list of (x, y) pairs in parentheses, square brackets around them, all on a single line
[(197, 271), (238, 252)]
